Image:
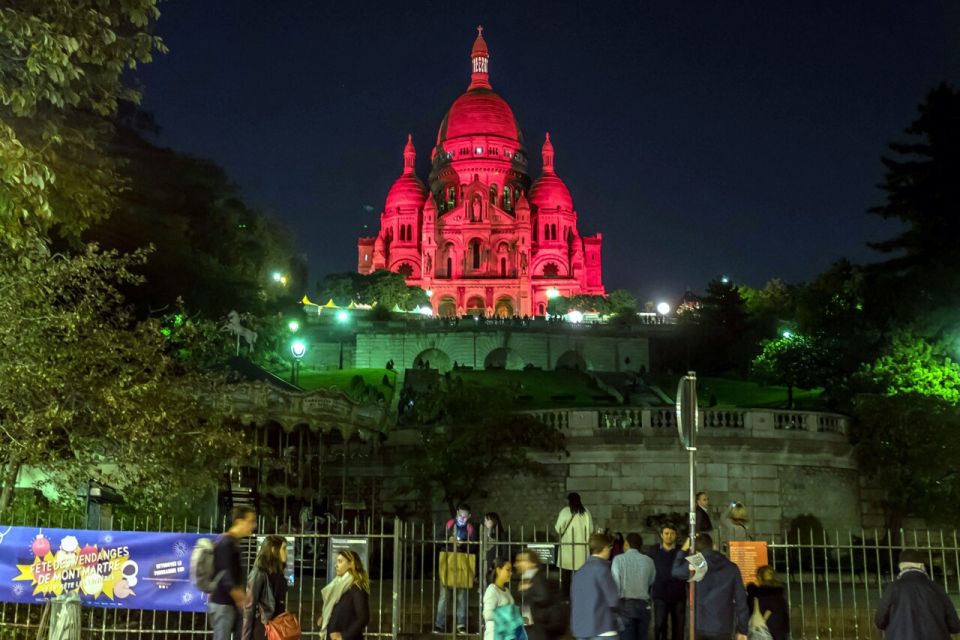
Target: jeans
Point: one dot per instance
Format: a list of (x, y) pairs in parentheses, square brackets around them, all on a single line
[(459, 609), (635, 616), (664, 611), (225, 620)]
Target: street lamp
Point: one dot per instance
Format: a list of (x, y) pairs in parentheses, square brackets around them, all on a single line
[(663, 308), (297, 349), (342, 316), (294, 326), (552, 293), (787, 334)]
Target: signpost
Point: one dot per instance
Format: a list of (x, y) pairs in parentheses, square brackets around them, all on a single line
[(688, 418)]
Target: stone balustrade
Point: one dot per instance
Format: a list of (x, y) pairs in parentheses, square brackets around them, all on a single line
[(713, 422)]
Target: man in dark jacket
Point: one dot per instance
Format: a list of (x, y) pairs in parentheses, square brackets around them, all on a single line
[(720, 607), (225, 607), (914, 606), (668, 593), (593, 593), (703, 516)]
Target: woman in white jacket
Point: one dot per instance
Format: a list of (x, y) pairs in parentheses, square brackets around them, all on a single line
[(497, 594), (574, 524)]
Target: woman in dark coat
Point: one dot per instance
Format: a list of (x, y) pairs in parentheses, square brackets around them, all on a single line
[(548, 614), (769, 593), (266, 588), (346, 600)]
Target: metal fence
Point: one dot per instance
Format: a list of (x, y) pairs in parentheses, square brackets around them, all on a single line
[(833, 580)]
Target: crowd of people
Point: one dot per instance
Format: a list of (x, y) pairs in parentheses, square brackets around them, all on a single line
[(609, 587)]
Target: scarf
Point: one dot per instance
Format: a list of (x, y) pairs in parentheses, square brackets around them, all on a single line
[(331, 595)]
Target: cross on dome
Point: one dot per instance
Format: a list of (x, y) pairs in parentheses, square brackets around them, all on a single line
[(480, 62), (547, 155)]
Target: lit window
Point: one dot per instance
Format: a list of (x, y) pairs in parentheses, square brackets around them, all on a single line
[(479, 150)]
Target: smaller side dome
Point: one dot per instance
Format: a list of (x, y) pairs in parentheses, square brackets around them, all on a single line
[(407, 190), (549, 191)]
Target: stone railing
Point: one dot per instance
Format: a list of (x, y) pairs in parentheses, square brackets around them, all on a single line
[(713, 422)]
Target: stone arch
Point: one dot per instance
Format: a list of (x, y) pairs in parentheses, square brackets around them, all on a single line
[(435, 358), (503, 358), (476, 306), (447, 307), (571, 360), (504, 307)]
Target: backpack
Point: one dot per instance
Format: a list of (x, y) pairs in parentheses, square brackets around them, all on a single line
[(202, 566)]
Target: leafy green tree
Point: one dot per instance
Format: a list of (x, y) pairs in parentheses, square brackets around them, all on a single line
[(468, 434), (795, 361), (912, 365), (61, 76), (87, 393), (621, 301), (907, 445), (383, 288)]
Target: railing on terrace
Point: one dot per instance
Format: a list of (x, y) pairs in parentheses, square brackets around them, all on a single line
[(750, 422), (832, 579)]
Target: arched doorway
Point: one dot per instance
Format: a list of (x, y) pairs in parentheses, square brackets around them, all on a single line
[(504, 307), (503, 358), (475, 306), (447, 307), (571, 360), (432, 359)]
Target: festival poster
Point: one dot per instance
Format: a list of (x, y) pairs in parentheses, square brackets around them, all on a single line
[(114, 569)]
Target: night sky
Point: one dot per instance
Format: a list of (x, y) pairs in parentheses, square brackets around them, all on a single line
[(701, 138)]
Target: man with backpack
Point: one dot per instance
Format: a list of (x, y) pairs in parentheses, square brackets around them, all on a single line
[(229, 579)]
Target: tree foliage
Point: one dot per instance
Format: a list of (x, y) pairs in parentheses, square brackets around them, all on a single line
[(88, 393), (913, 366), (383, 288), (795, 361), (61, 68), (468, 435)]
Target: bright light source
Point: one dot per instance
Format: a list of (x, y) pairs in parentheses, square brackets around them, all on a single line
[(342, 316), (298, 348), (552, 293), (294, 326), (725, 279), (283, 280), (663, 308), (277, 276), (429, 293), (425, 311), (787, 334), (575, 317)]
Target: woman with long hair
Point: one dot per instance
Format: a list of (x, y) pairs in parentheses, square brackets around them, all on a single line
[(574, 525), (266, 588), (497, 594), (767, 596), (494, 537), (346, 600)]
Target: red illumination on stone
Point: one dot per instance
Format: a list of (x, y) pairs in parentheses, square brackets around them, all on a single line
[(481, 238)]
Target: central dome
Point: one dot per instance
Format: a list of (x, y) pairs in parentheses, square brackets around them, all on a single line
[(480, 112)]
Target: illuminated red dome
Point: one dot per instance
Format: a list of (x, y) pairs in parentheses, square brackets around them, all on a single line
[(407, 190), (549, 191)]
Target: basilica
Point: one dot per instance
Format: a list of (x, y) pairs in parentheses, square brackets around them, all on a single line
[(481, 238)]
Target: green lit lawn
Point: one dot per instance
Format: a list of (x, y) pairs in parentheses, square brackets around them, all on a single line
[(539, 386), (731, 393), (313, 379)]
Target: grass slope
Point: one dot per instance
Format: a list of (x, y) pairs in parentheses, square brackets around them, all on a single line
[(733, 393)]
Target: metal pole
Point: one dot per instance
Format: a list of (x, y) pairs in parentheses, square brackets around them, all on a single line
[(693, 538)]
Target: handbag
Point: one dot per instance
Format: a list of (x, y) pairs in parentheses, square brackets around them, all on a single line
[(758, 624), (284, 627), (457, 569), (508, 623)]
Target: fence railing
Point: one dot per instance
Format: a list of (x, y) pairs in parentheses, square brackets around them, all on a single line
[(833, 580)]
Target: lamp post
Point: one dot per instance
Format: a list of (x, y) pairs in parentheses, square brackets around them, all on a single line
[(687, 425), (297, 349), (342, 319)]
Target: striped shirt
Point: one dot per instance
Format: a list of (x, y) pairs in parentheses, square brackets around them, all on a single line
[(634, 573)]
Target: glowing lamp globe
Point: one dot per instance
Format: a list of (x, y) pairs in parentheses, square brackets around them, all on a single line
[(575, 317), (294, 326), (342, 316), (663, 308), (552, 293), (298, 349), (277, 276)]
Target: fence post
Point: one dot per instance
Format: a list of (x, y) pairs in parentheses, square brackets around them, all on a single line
[(397, 581)]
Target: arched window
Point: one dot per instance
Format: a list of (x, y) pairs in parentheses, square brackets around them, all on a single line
[(403, 232), (503, 267), (507, 204), (553, 231), (475, 253), (546, 232), (536, 228), (409, 232), (449, 267), (493, 194), (540, 309), (451, 196)]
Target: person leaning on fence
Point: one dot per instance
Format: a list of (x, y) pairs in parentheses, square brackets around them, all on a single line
[(767, 596), (494, 538), (346, 600), (266, 588), (633, 572), (548, 615), (458, 531), (497, 595), (225, 607), (574, 524), (669, 594), (720, 600), (914, 605), (594, 598)]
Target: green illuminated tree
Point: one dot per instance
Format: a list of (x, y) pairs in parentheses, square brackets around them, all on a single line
[(912, 365), (61, 68), (795, 361)]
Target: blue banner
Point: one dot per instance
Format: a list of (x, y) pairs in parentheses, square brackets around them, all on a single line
[(114, 569)]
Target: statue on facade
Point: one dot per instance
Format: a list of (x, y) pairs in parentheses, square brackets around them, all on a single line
[(429, 269), (523, 263)]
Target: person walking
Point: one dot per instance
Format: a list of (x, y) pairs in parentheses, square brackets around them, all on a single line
[(633, 572), (225, 607), (497, 594), (721, 602), (593, 593), (914, 606), (459, 532), (346, 600), (266, 588), (575, 525), (768, 594), (548, 615), (669, 594)]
